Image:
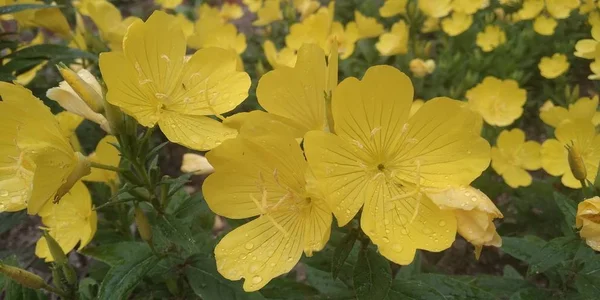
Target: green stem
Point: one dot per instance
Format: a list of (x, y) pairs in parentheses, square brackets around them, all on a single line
[(105, 167)]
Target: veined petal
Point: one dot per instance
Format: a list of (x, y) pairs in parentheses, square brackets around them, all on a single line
[(258, 122), (195, 132)]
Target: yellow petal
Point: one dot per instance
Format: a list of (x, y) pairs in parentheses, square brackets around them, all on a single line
[(367, 26), (554, 157), (393, 7), (195, 132), (196, 164), (257, 122), (108, 155), (554, 116), (516, 177)]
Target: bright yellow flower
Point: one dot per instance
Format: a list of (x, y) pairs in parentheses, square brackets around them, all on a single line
[(475, 213), (421, 68), (186, 24), (196, 164), (393, 7), (584, 108), (224, 36), (368, 27), (81, 94), (491, 37), (269, 13), (38, 164), (588, 221), (155, 83), (552, 67), (110, 23), (298, 93), (512, 156), (68, 123), (530, 9), (231, 11), (561, 9), (346, 39), (499, 102), (430, 25), (468, 7), (457, 23), (435, 8), (594, 18), (253, 5), (107, 155), (315, 29), (589, 48), (544, 25), (170, 4), (272, 181), (386, 163), (306, 7), (48, 18), (579, 134), (395, 41), (286, 57), (70, 222)]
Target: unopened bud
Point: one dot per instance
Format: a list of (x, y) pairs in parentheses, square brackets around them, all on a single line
[(24, 278), (576, 162), (81, 83), (141, 221)]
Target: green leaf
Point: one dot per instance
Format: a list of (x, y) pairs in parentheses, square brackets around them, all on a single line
[(115, 254), (567, 207), (524, 248), (587, 285), (177, 232), (208, 284), (123, 278), (51, 52), (411, 270), (531, 293), (88, 289), (510, 272), (288, 288), (11, 9), (553, 253), (327, 285), (454, 288), (411, 289), (372, 275), (342, 251)]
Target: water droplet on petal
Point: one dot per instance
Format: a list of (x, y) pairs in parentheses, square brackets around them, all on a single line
[(249, 246), (397, 248), (385, 240), (442, 223), (256, 279), (3, 193)]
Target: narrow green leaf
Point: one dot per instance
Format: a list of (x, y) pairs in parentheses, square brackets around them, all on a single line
[(567, 207), (342, 251), (372, 275), (116, 253), (11, 9), (208, 284), (177, 232), (123, 278), (553, 253)]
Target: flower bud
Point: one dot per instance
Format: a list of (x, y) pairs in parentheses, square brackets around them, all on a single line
[(85, 86), (421, 68), (24, 278), (141, 221), (588, 221), (576, 162)]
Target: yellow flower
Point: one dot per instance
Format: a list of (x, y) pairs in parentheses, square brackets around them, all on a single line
[(435, 8), (587, 6), (385, 162), (468, 7), (286, 57), (68, 123), (272, 181), (580, 135), (594, 18), (223, 36), (588, 220), (561, 9), (170, 4), (107, 155), (70, 222), (491, 37), (186, 25), (196, 164), (583, 109), (48, 18), (512, 156), (395, 41), (393, 7), (253, 5), (269, 13), (421, 68), (475, 214), (346, 39), (368, 27), (298, 93), (544, 25), (39, 165), (552, 67), (457, 23), (155, 83), (231, 11), (81, 94), (430, 25), (530, 9), (306, 7), (110, 23), (315, 29), (499, 102), (589, 48)]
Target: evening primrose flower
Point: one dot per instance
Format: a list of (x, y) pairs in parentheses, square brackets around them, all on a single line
[(552, 67), (512, 156), (51, 18), (469, 6), (491, 37), (306, 7), (457, 23), (421, 68), (395, 41), (558, 9), (368, 27), (499, 102), (589, 48), (435, 8), (391, 8), (577, 138), (544, 25), (38, 165), (110, 23), (285, 57), (269, 13), (583, 109), (345, 38), (231, 11), (530, 9), (475, 213), (105, 154), (272, 181), (70, 222), (386, 163), (155, 83), (588, 221), (223, 36)]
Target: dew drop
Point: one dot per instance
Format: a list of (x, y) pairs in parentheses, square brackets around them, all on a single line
[(442, 223), (256, 279), (3, 193), (249, 246), (474, 199), (404, 231), (385, 240), (254, 267), (397, 247)]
